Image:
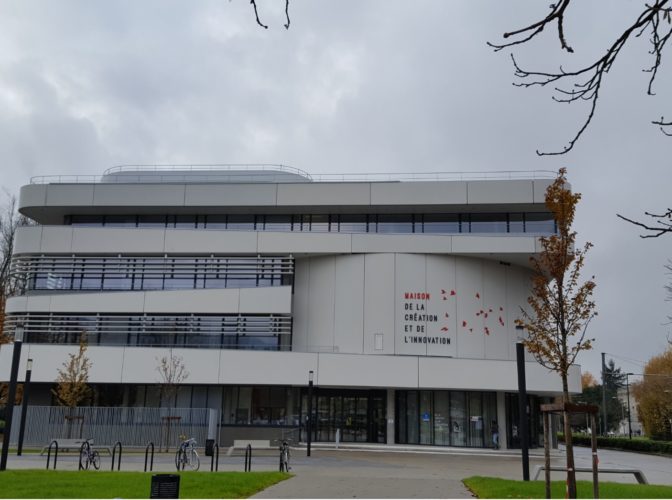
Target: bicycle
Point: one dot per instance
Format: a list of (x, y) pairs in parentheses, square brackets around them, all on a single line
[(88, 457), (284, 457), (187, 456)]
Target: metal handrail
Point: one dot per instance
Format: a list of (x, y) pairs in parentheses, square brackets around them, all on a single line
[(151, 463), (53, 443), (114, 450), (109, 178), (207, 167)]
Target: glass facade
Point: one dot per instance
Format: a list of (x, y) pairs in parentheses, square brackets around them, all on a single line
[(249, 332), (404, 223), (93, 273), (445, 418)]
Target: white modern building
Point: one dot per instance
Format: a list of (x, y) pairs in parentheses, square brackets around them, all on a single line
[(398, 293)]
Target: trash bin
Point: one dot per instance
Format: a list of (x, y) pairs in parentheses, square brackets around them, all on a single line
[(209, 447), (165, 486)]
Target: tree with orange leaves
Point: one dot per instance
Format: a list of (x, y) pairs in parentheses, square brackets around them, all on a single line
[(561, 306), (587, 380)]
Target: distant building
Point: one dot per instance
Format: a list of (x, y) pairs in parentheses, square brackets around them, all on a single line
[(633, 424), (399, 293)]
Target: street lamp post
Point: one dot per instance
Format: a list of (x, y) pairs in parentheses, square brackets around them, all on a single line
[(309, 427), (627, 389), (11, 394), (24, 405), (522, 407)]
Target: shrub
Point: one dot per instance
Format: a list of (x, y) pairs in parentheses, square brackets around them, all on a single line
[(623, 443)]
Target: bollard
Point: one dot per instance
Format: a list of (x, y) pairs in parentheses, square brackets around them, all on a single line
[(248, 458), (53, 443), (114, 451), (151, 464), (214, 461)]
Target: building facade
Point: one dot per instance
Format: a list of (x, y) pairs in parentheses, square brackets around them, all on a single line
[(400, 295)]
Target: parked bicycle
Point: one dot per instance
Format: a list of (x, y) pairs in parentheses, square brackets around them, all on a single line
[(88, 456), (284, 457), (187, 456)]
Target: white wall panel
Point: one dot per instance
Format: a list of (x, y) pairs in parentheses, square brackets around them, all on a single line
[(117, 302), (218, 195), (300, 304), (493, 244), (469, 299), (518, 289), (270, 300), (111, 240), (28, 239), (196, 301), (59, 195), (349, 304), (410, 292), (201, 242), (408, 243), (137, 365), (159, 195), (418, 193), (540, 187), (496, 328), (275, 242), (441, 285), (140, 364), (379, 301), (267, 368), (500, 192), (344, 370), (320, 194), (32, 195), (321, 282), (56, 239)]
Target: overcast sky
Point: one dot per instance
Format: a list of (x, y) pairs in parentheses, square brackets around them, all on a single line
[(353, 86)]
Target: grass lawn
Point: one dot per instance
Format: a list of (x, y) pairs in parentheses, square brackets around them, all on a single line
[(99, 484), (491, 487)]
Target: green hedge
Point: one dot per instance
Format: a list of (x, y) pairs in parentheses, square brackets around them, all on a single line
[(622, 443)]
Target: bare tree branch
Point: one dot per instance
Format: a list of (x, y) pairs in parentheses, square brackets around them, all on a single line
[(256, 14), (661, 228), (557, 14), (584, 84)]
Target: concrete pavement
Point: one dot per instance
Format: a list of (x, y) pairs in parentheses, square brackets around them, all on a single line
[(384, 472)]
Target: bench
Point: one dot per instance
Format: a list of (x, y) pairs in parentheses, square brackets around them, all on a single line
[(639, 475), (256, 444), (76, 443)]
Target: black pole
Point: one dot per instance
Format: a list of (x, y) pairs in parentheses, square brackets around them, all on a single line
[(627, 388), (309, 427), (522, 410), (604, 396), (9, 407), (24, 407)]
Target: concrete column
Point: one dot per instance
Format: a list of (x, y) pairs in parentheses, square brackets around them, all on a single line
[(501, 420), (390, 416)]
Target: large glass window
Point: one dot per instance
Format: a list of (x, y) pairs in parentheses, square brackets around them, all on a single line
[(401, 223), (446, 418), (440, 223)]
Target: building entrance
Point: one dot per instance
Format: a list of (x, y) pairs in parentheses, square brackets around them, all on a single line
[(359, 415)]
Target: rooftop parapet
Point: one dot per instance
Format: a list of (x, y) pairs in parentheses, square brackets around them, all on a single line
[(232, 174)]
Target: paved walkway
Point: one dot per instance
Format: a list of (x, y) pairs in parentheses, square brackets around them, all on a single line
[(379, 472)]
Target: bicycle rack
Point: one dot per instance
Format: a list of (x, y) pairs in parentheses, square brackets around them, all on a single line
[(151, 463), (248, 458), (86, 445), (53, 443), (114, 451), (214, 461)]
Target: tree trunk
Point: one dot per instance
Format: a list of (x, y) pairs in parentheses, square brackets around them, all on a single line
[(571, 474)]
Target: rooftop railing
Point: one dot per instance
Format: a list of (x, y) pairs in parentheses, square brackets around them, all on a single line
[(266, 173)]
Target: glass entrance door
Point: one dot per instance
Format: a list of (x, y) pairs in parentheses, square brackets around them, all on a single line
[(359, 415)]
